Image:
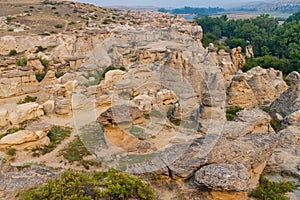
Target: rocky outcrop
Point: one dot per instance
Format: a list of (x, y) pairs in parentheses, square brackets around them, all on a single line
[(257, 86), (237, 58), (120, 114), (286, 158), (288, 102), (240, 93), (249, 52), (17, 81)]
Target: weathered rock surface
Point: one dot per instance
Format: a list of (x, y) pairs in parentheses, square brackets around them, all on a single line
[(292, 119), (240, 93), (230, 177), (182, 160), (237, 58), (34, 136), (257, 118), (257, 86), (16, 82), (286, 158), (25, 112), (3, 117), (120, 114), (288, 102), (27, 178)]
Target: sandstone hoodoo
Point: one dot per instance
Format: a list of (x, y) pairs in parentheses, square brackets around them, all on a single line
[(89, 89)]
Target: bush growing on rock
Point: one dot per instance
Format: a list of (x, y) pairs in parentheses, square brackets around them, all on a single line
[(58, 26), (22, 62), (230, 113), (40, 76), (12, 52), (11, 151), (99, 185), (27, 99), (272, 190)]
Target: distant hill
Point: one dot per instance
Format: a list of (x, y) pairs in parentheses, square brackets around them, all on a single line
[(200, 12), (284, 6)]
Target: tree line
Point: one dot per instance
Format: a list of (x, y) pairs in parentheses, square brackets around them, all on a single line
[(274, 45)]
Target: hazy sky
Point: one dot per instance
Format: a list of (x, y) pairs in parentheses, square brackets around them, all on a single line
[(168, 3)]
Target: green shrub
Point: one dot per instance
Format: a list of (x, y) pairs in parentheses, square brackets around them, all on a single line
[(23, 167), (27, 99), (266, 109), (12, 52), (107, 69), (40, 49), (76, 185), (44, 34), (268, 190), (275, 123), (71, 23), (75, 151), (122, 186), (58, 26), (11, 151), (59, 74), (287, 81), (40, 76), (106, 21), (22, 62), (10, 29), (45, 63), (9, 19), (231, 112)]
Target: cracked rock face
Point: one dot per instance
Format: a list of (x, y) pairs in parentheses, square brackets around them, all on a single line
[(230, 177)]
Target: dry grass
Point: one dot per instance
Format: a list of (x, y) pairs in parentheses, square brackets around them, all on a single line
[(42, 18)]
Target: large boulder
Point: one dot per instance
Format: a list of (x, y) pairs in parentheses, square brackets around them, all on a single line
[(230, 177), (259, 120), (25, 139), (25, 112), (288, 102), (19, 137), (286, 157)]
